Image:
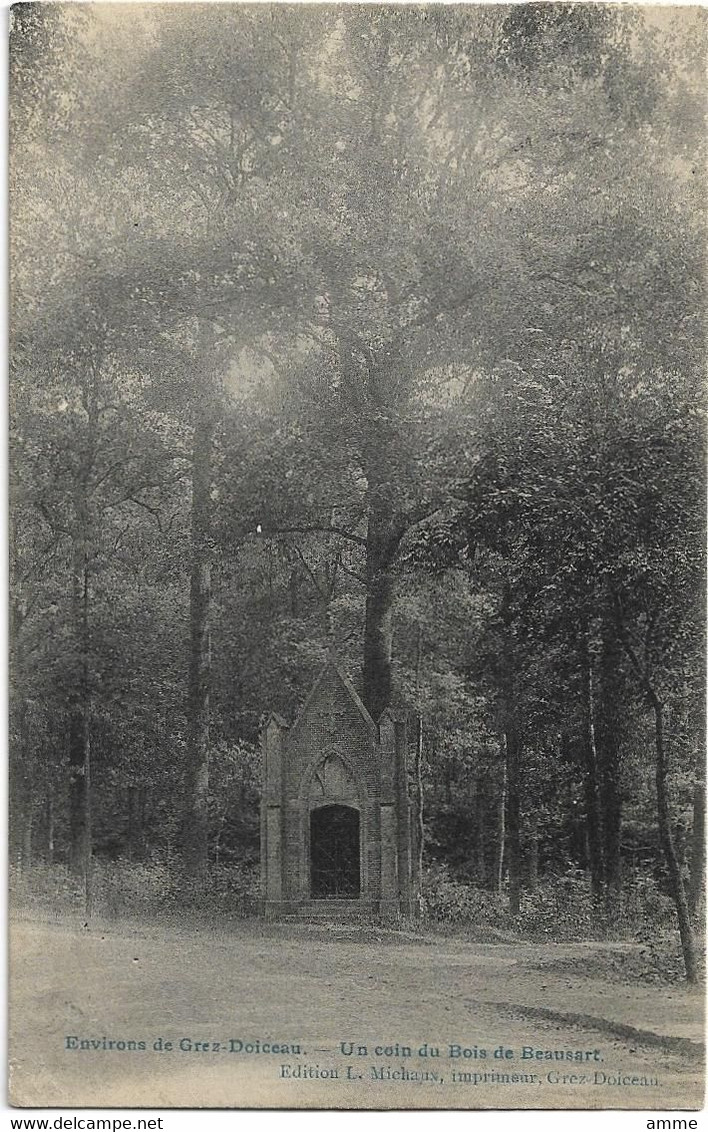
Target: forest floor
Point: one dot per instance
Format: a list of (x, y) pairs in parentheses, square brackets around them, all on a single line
[(316, 988)]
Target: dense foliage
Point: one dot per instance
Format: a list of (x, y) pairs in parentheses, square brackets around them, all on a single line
[(375, 328)]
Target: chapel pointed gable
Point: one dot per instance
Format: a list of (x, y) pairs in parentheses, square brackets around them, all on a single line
[(332, 721), (334, 697)]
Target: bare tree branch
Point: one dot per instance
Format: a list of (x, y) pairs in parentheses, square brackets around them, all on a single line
[(349, 536)]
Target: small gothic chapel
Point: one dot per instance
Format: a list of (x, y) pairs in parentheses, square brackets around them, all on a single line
[(337, 830)]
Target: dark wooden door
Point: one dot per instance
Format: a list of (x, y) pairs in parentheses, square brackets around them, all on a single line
[(334, 852)]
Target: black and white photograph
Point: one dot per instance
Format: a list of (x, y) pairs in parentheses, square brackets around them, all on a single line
[(357, 553)]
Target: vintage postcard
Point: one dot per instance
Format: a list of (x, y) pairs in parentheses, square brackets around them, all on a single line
[(357, 556)]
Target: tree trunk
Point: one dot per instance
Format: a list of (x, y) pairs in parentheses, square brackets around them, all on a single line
[(513, 834), (501, 834), (135, 804), (22, 797), (20, 769), (385, 529), (512, 750), (27, 827), (378, 629), (593, 815), (78, 791), (418, 776), (79, 719), (698, 850), (677, 887), (88, 837), (680, 846), (607, 735), (217, 841), (417, 881), (195, 823), (480, 838), (678, 891), (80, 847), (294, 591), (532, 861), (49, 817)]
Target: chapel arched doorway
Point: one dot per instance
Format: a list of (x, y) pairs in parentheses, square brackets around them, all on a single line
[(335, 852)]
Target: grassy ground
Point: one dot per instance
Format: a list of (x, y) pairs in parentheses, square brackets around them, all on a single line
[(318, 986)]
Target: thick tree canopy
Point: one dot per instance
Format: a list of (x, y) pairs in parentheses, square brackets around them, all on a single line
[(371, 327)]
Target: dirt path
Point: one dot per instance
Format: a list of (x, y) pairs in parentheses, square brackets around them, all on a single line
[(358, 1012)]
